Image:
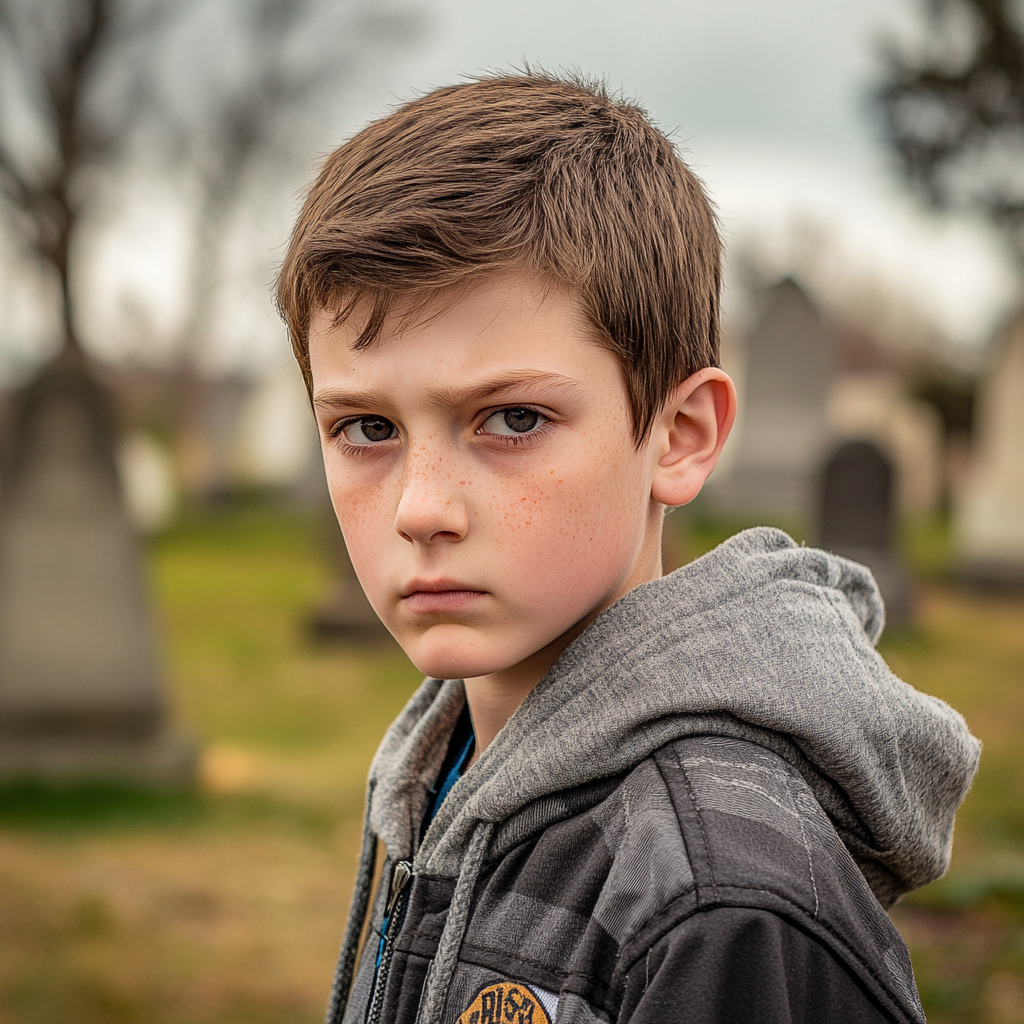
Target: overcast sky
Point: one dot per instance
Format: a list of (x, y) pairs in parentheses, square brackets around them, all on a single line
[(783, 73), (768, 101)]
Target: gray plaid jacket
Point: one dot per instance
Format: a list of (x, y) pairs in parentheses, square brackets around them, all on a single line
[(707, 885)]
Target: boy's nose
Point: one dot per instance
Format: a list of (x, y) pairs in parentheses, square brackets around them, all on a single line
[(430, 509)]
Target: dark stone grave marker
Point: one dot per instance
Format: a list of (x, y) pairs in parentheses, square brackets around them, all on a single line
[(856, 520)]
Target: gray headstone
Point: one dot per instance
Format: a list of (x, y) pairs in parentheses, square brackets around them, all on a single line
[(80, 686), (347, 613), (780, 435), (990, 516), (856, 520)]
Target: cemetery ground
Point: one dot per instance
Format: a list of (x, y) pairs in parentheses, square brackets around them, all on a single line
[(225, 904)]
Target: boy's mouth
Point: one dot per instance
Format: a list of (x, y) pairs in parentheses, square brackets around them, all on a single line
[(426, 596)]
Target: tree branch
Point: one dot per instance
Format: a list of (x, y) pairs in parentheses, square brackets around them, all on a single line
[(946, 115)]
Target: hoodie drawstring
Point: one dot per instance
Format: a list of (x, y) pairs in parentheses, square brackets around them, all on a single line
[(356, 917), (439, 977)]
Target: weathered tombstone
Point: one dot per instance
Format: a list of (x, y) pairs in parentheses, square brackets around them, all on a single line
[(780, 435), (856, 520), (990, 520), (80, 693), (875, 407), (347, 613)]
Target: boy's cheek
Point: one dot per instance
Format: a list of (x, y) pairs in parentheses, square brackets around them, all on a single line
[(359, 499)]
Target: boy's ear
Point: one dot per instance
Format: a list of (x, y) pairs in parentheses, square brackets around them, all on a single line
[(688, 437)]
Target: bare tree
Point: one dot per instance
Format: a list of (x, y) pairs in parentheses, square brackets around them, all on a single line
[(256, 118), (76, 76), (953, 110), (70, 99)]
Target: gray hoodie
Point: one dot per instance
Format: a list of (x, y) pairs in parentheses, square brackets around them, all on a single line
[(760, 641)]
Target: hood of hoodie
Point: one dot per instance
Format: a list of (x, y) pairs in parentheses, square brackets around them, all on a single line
[(761, 640)]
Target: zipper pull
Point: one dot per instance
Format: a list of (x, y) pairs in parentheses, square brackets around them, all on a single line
[(401, 875)]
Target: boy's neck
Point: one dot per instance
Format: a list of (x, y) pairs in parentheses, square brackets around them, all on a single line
[(494, 698)]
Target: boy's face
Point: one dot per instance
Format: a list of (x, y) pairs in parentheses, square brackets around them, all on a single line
[(484, 474)]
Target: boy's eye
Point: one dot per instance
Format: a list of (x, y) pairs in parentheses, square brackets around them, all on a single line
[(513, 421), (368, 430)]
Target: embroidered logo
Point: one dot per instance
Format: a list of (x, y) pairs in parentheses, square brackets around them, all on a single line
[(505, 1004)]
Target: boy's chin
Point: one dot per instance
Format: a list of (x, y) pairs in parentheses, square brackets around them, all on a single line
[(457, 652)]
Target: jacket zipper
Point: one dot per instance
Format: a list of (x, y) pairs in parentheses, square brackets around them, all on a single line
[(394, 912)]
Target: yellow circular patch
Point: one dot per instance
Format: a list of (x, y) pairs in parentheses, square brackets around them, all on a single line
[(505, 1004)]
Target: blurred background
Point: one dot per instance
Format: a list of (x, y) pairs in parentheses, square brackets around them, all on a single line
[(191, 681)]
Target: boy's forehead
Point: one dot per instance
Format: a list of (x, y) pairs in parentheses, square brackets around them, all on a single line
[(494, 338), (492, 299), (491, 323)]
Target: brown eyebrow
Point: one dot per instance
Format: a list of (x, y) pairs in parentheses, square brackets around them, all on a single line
[(446, 395), (333, 398)]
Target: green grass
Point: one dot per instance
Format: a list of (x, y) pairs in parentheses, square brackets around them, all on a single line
[(100, 806), (224, 903), (108, 808)]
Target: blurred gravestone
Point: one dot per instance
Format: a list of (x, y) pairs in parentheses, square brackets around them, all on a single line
[(990, 523), (80, 693), (347, 613), (856, 520), (781, 430)]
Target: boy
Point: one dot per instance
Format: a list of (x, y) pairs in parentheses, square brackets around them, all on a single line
[(616, 797)]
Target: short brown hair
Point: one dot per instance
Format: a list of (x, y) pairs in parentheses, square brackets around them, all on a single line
[(532, 173)]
